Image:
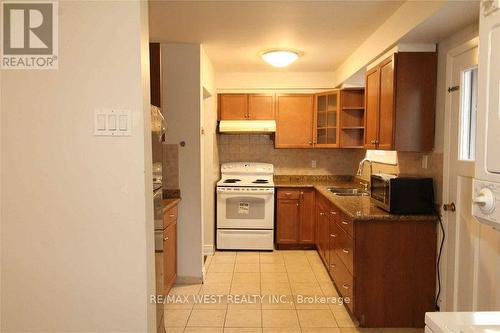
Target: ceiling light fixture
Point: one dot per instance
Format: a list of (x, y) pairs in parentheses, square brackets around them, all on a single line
[(279, 58)]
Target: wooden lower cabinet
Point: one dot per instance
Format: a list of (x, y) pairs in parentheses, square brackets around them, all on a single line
[(322, 229), (387, 269), (169, 248), (295, 223)]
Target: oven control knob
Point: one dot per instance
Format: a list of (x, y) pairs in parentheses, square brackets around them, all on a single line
[(485, 200)]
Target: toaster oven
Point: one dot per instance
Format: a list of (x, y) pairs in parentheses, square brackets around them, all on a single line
[(403, 195)]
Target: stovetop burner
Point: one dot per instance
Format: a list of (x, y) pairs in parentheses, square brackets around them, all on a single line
[(260, 181), (231, 181)]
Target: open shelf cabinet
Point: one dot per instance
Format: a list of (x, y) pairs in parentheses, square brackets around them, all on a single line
[(352, 117)]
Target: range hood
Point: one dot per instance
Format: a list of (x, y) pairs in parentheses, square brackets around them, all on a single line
[(247, 126)]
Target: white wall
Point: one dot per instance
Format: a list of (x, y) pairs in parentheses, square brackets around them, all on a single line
[(76, 216), (181, 105), (209, 155), (403, 20), (288, 81)]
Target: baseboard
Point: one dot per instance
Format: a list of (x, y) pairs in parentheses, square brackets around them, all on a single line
[(208, 250), (188, 280)]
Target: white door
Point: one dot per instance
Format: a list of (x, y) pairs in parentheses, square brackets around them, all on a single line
[(460, 267)]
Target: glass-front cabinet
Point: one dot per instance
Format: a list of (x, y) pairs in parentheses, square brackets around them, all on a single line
[(327, 108)]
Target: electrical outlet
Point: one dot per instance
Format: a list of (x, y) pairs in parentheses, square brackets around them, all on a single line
[(313, 164)]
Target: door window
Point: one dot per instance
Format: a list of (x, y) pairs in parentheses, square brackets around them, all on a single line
[(468, 109)]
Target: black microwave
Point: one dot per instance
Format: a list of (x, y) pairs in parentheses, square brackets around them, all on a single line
[(403, 195)]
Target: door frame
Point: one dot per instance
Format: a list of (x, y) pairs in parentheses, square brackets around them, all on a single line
[(445, 266)]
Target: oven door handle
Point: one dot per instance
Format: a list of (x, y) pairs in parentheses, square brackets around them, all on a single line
[(245, 193)]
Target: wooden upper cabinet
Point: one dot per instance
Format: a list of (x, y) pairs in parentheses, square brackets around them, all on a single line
[(294, 121), (400, 102), (326, 119), (246, 106), (371, 113), (233, 106), (386, 105), (260, 106), (155, 73), (352, 118)]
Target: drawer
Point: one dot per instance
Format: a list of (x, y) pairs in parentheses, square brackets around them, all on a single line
[(288, 194), (342, 246), (346, 223), (334, 213), (345, 285), (170, 216), (345, 249), (335, 265)]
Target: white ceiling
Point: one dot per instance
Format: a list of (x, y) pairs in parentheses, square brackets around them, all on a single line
[(234, 32), (452, 17)]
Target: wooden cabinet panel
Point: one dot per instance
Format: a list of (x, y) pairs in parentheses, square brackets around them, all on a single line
[(170, 216), (386, 105), (288, 221), (400, 102), (233, 106), (294, 121), (261, 106), (416, 76), (307, 230), (155, 73), (170, 255), (395, 272), (371, 107), (289, 194)]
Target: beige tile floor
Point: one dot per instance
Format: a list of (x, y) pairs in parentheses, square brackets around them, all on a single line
[(287, 273)]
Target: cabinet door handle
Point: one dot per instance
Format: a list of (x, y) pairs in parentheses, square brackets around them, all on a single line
[(332, 265), (288, 194), (321, 213), (333, 235), (345, 250), (171, 215), (373, 141), (345, 286), (344, 222), (333, 212), (297, 204), (310, 143), (165, 239)]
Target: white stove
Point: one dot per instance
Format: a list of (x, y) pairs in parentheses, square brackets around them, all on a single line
[(245, 206)]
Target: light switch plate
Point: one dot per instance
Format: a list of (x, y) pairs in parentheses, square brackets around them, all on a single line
[(112, 122)]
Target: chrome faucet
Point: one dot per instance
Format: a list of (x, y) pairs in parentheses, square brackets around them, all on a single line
[(360, 168)]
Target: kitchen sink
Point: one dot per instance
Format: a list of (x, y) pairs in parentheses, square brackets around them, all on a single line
[(348, 192)]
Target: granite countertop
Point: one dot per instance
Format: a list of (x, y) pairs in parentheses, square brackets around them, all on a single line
[(169, 203), (359, 208)]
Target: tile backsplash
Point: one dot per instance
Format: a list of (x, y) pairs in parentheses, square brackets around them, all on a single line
[(170, 166), (411, 164), (260, 148)]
